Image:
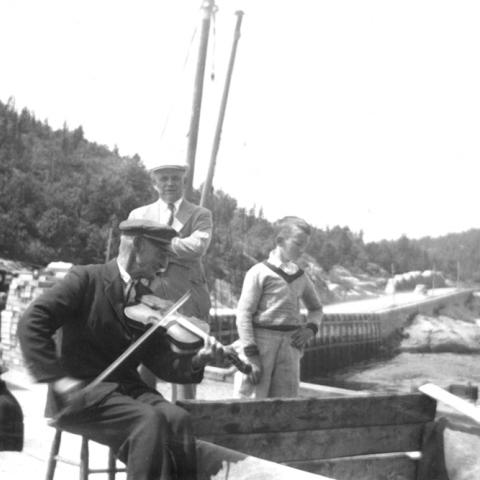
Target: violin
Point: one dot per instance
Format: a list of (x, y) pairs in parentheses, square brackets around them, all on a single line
[(186, 335)]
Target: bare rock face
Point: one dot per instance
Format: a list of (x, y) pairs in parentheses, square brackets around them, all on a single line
[(409, 280), (319, 279), (441, 334), (340, 284)]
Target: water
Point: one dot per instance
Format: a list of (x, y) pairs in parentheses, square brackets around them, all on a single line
[(407, 371)]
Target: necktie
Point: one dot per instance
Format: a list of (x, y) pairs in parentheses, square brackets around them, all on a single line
[(171, 207)]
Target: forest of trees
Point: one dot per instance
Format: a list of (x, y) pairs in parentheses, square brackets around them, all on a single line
[(61, 194)]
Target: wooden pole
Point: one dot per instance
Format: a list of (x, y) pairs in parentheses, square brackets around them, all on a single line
[(207, 186), (109, 244), (207, 8)]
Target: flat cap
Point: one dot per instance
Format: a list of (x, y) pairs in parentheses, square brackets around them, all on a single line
[(148, 229)]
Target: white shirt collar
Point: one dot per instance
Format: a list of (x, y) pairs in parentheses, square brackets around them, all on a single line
[(289, 268), (164, 205), (124, 275)]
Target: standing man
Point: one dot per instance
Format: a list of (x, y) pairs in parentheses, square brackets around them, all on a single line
[(151, 435), (185, 268)]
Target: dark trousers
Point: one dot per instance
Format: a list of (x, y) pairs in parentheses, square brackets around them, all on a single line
[(151, 436)]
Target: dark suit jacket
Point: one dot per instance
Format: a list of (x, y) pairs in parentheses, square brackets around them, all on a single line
[(88, 305)]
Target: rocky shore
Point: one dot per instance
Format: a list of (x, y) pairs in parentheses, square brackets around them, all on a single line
[(443, 349)]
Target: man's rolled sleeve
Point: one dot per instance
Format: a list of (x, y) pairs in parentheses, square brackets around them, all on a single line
[(195, 245)]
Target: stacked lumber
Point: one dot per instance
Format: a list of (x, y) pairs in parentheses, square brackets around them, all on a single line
[(24, 287)]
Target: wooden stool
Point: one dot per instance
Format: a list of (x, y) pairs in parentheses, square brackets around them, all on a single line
[(83, 463)]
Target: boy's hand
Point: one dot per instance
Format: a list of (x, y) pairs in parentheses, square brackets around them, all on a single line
[(256, 374), (301, 337)]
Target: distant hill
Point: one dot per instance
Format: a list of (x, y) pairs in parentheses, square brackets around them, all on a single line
[(61, 195), (455, 253)]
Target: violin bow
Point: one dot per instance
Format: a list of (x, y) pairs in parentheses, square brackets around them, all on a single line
[(115, 364)]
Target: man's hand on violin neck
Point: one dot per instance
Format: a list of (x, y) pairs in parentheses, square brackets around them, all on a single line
[(211, 352)]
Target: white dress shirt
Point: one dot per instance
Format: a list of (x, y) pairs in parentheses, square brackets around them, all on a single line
[(163, 213)]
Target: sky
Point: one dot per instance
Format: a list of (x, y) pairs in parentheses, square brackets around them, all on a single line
[(356, 113)]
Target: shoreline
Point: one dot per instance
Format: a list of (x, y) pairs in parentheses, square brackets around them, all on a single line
[(406, 371)]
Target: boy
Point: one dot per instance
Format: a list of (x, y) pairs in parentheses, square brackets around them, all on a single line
[(271, 328)]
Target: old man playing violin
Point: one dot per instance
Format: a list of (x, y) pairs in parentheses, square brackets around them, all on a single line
[(152, 436)]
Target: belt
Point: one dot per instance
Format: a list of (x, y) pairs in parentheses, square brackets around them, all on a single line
[(279, 328)]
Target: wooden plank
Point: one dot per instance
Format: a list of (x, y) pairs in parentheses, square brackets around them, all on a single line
[(219, 463), (283, 415), (320, 444), (459, 404), (371, 467)]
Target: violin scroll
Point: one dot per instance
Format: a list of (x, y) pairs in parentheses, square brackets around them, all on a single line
[(241, 366)]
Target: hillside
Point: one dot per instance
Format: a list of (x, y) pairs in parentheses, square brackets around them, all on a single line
[(62, 195)]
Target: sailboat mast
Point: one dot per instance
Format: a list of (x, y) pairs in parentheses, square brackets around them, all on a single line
[(207, 186), (207, 9)]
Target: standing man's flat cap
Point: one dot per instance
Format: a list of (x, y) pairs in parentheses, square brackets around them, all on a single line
[(148, 229)]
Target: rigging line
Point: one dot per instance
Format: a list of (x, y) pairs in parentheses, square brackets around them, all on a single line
[(175, 96)]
